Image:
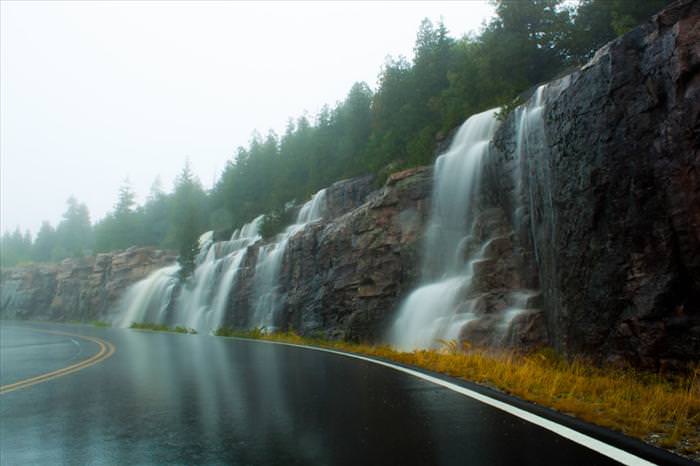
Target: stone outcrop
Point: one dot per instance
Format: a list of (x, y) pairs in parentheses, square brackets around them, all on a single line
[(344, 276), (75, 289), (614, 196), (345, 195)]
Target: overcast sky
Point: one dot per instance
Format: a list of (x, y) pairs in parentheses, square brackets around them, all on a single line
[(94, 92)]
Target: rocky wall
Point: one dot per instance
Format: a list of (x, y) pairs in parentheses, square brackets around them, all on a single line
[(75, 289), (613, 196)]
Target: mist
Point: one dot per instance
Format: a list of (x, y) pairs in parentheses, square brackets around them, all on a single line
[(94, 94)]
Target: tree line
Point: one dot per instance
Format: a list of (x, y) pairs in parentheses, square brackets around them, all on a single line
[(416, 103)]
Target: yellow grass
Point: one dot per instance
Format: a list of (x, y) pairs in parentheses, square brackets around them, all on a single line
[(664, 410)]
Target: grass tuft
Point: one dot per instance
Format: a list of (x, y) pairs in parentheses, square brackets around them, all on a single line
[(94, 323), (101, 324), (161, 328), (256, 333)]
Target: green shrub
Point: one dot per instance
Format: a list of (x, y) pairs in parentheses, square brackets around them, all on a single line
[(99, 323), (161, 328), (256, 333)]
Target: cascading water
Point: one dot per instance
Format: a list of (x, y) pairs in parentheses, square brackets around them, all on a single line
[(148, 300), (267, 299), (529, 137), (454, 294), (432, 311), (201, 304), (312, 210), (202, 301), (534, 183)]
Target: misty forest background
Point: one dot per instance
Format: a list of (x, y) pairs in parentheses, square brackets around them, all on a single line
[(396, 126)]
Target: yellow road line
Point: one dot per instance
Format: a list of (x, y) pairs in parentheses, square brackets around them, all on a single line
[(107, 349)]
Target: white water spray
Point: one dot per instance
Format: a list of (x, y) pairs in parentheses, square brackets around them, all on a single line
[(148, 300), (202, 302), (432, 312), (267, 298)]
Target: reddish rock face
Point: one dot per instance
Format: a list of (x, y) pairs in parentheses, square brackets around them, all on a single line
[(75, 289), (615, 209), (344, 278)]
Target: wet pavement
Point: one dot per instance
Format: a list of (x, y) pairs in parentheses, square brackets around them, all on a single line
[(191, 399)]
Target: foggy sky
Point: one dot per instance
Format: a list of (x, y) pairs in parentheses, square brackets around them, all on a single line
[(94, 92)]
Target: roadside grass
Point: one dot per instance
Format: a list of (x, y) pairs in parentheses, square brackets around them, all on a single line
[(94, 323), (663, 410), (101, 324), (256, 333), (161, 328)]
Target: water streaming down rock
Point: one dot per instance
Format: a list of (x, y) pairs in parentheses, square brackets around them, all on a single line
[(533, 177), (312, 210), (201, 302), (148, 300), (529, 135), (267, 299), (432, 311), (533, 187), (475, 266)]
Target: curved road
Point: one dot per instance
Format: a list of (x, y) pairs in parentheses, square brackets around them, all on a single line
[(179, 399)]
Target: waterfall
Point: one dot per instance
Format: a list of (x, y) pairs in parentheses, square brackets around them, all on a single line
[(534, 185), (148, 300), (267, 298), (433, 311), (312, 210), (457, 256), (201, 303), (529, 134)]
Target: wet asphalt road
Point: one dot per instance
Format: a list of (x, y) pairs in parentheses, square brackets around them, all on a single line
[(180, 399)]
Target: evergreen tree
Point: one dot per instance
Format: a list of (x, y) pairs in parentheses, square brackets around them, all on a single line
[(596, 22), (121, 227), (188, 218), (15, 248), (74, 232), (155, 215), (45, 243)]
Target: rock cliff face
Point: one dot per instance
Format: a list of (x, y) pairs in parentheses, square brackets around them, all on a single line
[(342, 277), (590, 194), (601, 213), (75, 289), (614, 196)]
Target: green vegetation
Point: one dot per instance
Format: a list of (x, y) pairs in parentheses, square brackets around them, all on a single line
[(161, 328), (664, 410), (275, 222), (371, 131), (99, 323), (72, 238), (240, 333), (94, 323)]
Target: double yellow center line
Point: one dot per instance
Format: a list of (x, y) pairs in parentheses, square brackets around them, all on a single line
[(106, 350)]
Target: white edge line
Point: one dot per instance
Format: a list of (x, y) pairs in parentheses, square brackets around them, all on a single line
[(603, 448)]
